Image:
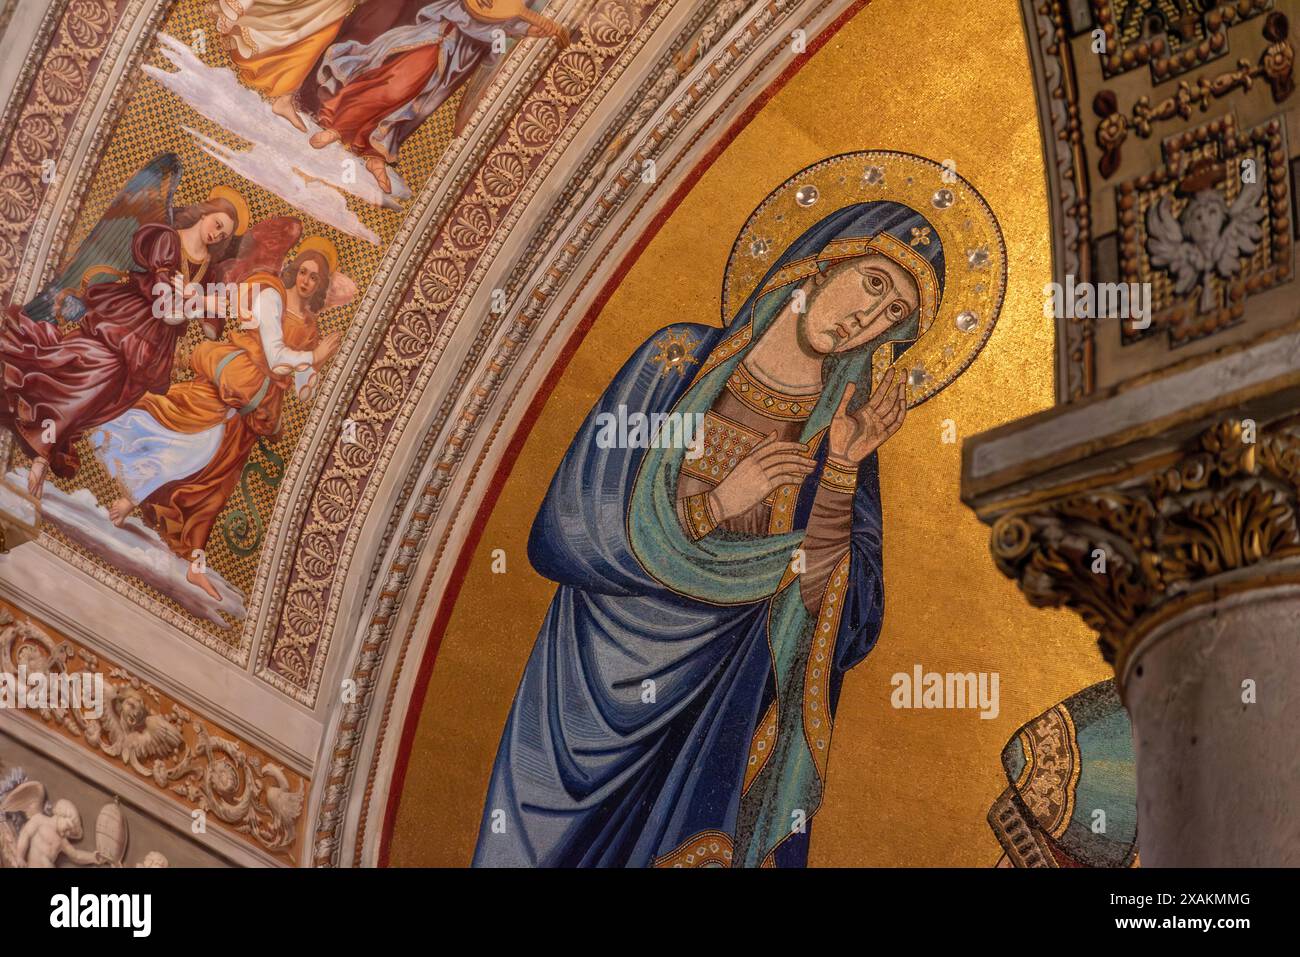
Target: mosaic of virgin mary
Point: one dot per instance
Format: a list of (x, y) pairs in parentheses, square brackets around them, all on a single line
[(678, 704)]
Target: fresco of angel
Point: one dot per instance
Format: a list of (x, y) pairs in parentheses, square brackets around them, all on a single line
[(59, 384), (374, 95), (1208, 237), (178, 457)]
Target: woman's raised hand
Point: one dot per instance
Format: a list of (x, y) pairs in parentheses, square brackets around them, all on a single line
[(768, 466), (856, 435)]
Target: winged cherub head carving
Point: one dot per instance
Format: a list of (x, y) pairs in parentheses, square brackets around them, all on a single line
[(1208, 236)]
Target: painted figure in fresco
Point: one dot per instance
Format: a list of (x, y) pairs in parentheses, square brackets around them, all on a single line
[(179, 456), (275, 45), (677, 706), (374, 95), (59, 384), (1068, 771)]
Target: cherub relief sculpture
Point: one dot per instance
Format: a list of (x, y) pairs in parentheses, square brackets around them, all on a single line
[(34, 833), (163, 743), (47, 834), (132, 732), (1209, 236)]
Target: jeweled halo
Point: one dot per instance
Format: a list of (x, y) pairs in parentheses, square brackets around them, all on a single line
[(975, 254)]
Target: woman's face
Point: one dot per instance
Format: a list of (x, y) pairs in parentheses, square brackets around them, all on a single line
[(308, 279), (857, 300), (215, 228)]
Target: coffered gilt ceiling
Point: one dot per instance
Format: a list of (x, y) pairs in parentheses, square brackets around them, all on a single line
[(512, 207)]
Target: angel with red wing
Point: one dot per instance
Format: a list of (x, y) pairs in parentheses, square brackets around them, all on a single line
[(57, 381), (178, 457)]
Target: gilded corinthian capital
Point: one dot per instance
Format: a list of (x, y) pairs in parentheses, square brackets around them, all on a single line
[(1177, 530)]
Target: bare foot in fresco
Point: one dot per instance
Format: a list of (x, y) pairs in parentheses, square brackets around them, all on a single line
[(36, 478), (200, 579), (380, 172), (283, 106), (119, 511), (323, 139)]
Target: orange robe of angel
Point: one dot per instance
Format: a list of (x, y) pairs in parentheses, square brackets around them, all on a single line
[(276, 44), (227, 375)]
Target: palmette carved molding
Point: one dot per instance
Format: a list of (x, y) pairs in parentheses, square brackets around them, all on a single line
[(1123, 555), (163, 743)]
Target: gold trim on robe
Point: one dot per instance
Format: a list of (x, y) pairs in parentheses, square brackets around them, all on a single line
[(768, 401), (706, 849), (761, 746), (816, 698)]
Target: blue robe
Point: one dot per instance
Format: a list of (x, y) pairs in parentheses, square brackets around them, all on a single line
[(590, 774), (631, 731)]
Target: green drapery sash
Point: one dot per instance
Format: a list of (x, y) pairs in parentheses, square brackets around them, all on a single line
[(726, 569)]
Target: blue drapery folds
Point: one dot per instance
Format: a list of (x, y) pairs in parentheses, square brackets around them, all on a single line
[(630, 736)]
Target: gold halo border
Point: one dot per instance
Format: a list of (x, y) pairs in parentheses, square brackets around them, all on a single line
[(974, 286)]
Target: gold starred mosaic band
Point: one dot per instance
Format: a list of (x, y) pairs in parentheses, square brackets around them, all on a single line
[(768, 401), (816, 701), (839, 478), (699, 516)]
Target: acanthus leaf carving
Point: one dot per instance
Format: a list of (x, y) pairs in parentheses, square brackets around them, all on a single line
[(1118, 555)]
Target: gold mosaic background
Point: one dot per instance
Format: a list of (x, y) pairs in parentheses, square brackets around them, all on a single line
[(945, 79), (151, 124)]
